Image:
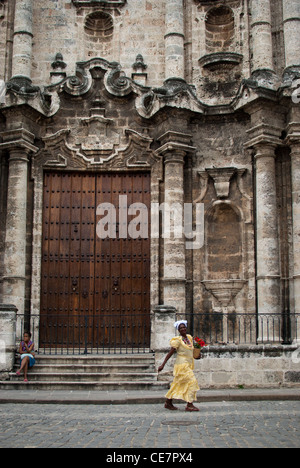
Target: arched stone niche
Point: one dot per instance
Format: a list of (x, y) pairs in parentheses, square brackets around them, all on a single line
[(224, 243)]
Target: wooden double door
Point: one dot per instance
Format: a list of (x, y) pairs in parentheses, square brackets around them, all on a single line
[(95, 290)]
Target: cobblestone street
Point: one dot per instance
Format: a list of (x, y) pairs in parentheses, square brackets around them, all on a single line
[(225, 424)]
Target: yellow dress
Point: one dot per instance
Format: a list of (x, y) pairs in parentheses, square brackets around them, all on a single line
[(185, 385)]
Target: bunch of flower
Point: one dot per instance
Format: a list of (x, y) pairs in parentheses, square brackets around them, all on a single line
[(198, 343)]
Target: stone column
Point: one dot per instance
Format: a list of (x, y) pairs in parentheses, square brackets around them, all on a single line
[(294, 143), (8, 315), (22, 43), (295, 156), (174, 40), (13, 287), (291, 25), (268, 262), (174, 149), (262, 35), (174, 246)]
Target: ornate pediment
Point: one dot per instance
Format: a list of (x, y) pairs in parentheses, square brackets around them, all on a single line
[(59, 153)]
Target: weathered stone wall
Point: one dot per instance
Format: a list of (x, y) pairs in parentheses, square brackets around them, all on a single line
[(222, 180), (224, 132), (243, 367), (136, 28), (217, 48), (3, 31)]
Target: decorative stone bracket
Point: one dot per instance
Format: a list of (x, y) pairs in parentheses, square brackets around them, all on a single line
[(222, 178)]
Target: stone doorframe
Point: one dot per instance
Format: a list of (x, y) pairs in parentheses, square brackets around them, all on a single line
[(57, 154)]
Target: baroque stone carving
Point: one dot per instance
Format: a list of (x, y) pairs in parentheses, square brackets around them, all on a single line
[(58, 152), (115, 80)]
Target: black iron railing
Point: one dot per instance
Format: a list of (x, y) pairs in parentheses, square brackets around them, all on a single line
[(232, 328), (112, 334), (88, 334)]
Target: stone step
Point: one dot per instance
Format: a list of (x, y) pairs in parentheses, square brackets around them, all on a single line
[(91, 368), (84, 386), (86, 377), (128, 359), (89, 372)]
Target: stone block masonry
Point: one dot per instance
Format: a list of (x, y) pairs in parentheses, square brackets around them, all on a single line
[(210, 121)]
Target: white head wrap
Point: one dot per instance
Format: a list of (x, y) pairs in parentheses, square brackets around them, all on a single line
[(180, 322)]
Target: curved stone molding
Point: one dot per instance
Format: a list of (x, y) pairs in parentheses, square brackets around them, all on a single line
[(221, 59), (99, 24), (115, 81)]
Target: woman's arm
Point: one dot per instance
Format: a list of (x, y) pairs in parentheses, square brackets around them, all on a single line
[(168, 356), (27, 350), (31, 348)]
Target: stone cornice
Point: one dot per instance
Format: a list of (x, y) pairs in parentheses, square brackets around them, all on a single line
[(293, 133), (19, 144), (264, 134), (18, 139), (175, 142)]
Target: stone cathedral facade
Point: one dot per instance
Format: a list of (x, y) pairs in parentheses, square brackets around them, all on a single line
[(182, 102)]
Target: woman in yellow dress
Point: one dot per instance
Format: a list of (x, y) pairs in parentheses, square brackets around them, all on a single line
[(185, 385)]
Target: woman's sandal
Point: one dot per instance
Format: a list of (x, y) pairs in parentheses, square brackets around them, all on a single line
[(18, 373), (191, 408), (170, 407)]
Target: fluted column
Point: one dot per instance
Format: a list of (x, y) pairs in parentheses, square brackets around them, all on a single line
[(291, 28), (262, 35), (174, 40), (268, 262), (22, 44)]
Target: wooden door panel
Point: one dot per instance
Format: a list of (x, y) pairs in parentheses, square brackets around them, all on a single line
[(93, 289)]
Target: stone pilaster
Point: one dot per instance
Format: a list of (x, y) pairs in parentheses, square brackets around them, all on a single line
[(265, 138), (261, 28), (174, 248), (294, 142), (291, 28), (174, 149), (268, 264), (174, 40), (22, 45), (19, 144)]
